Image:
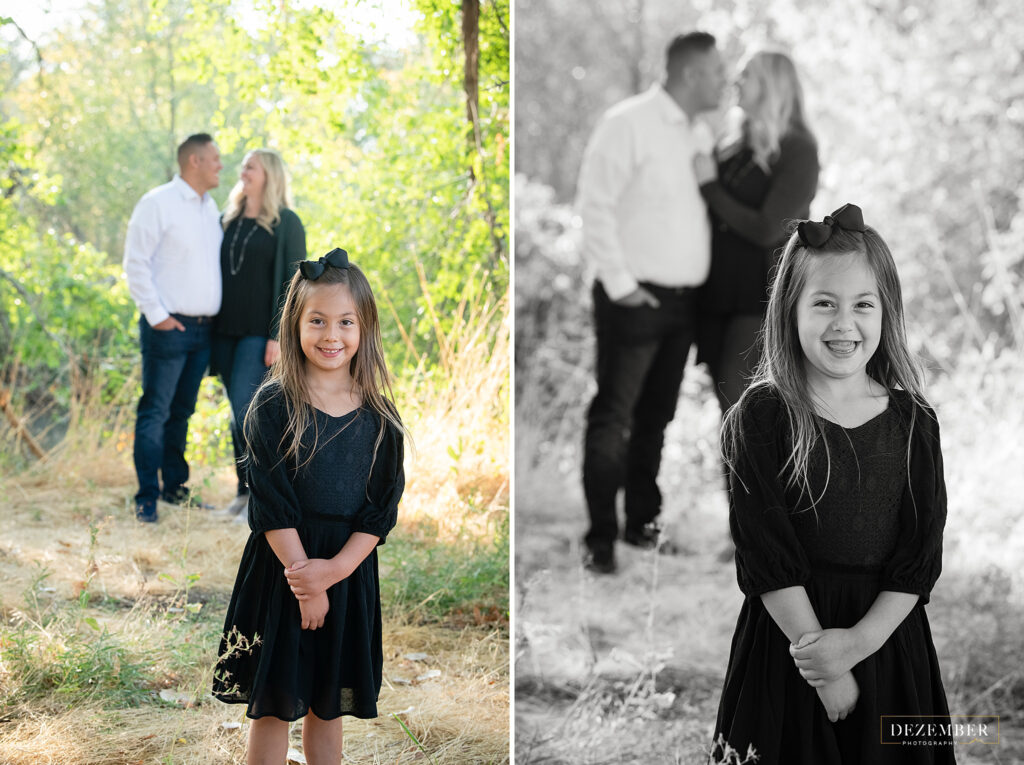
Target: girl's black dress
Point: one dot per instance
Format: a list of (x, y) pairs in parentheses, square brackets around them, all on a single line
[(872, 530), (266, 660)]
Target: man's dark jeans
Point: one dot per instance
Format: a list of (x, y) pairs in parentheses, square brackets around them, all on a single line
[(173, 365), (641, 354)]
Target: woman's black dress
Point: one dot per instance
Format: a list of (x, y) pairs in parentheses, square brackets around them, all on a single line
[(266, 660), (872, 530), (750, 207)]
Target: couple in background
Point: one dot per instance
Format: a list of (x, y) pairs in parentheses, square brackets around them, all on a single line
[(208, 287), (681, 228)]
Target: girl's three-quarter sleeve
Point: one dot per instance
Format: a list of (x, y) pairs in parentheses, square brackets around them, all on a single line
[(387, 482), (768, 554), (272, 500), (917, 562)]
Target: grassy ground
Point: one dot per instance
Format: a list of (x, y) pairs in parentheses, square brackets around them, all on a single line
[(628, 669), (109, 632)]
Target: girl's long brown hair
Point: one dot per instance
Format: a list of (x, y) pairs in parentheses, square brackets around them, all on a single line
[(368, 367), (781, 369)]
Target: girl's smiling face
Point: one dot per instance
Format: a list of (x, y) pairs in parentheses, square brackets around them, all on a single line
[(839, 317), (329, 328)]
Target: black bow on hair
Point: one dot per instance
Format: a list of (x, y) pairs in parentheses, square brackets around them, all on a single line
[(848, 217), (314, 269)]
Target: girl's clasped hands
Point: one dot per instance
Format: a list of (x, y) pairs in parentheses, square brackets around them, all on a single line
[(309, 580), (824, 659)]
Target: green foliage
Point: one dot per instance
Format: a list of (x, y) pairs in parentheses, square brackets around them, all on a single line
[(75, 658), (425, 579), (80, 665), (73, 308), (64, 650), (52, 648), (380, 150), (209, 430)]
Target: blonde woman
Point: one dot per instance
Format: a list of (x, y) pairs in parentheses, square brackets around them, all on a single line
[(263, 243), (764, 173)]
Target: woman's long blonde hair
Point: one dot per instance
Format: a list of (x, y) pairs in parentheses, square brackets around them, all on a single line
[(780, 104), (368, 367), (782, 372), (275, 192)]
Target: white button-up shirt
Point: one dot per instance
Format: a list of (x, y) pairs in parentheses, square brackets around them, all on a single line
[(643, 215), (172, 253)]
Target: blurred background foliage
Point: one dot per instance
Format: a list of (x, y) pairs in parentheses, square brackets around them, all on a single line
[(918, 109), (384, 159)]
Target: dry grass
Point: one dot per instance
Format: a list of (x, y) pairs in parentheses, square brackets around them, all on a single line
[(462, 427), (76, 569), (622, 669)]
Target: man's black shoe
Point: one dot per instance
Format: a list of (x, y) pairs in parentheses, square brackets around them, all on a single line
[(601, 561), (145, 512), (184, 497), (645, 537)]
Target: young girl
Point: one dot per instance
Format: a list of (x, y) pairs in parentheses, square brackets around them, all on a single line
[(837, 505), (302, 638)]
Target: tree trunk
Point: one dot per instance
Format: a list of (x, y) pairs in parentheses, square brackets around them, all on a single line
[(639, 48), (471, 78), (172, 105)]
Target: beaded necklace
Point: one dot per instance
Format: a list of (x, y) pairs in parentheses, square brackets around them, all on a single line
[(236, 267)]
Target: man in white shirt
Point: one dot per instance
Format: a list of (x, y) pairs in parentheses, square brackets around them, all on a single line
[(172, 261), (646, 234)]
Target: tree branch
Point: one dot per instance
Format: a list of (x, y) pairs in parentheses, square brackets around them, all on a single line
[(30, 41), (500, 19), (35, 312)]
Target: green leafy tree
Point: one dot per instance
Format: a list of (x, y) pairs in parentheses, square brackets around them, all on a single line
[(384, 156)]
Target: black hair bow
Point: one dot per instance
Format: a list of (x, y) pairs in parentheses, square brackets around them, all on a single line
[(848, 217), (314, 269)]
